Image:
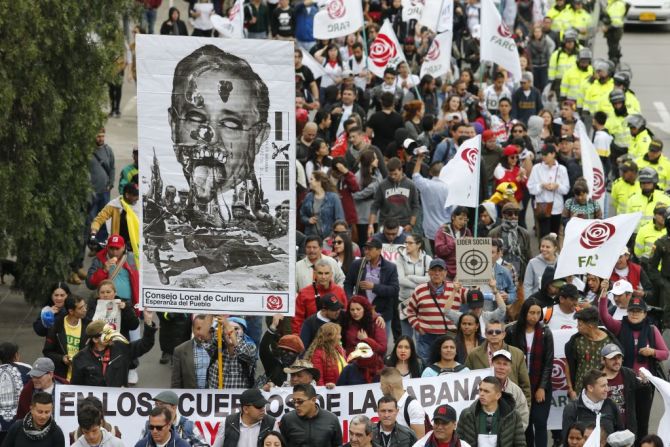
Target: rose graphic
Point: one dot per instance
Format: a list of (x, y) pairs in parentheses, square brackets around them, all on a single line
[(558, 380), (504, 31), (598, 184), (596, 234), (433, 51), (470, 157), (336, 9), (274, 302), (382, 51)]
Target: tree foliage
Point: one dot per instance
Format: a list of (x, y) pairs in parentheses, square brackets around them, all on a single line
[(55, 59)]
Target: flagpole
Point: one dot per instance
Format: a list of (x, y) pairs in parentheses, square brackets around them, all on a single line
[(479, 180), (365, 46)]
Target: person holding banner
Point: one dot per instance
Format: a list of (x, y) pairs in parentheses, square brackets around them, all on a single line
[(38, 428), (444, 429), (443, 358)]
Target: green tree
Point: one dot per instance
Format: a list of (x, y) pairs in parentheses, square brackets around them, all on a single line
[(55, 59)]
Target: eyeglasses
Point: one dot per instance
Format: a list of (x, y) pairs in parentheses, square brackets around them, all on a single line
[(157, 427), (338, 242), (494, 332), (298, 402), (511, 213)]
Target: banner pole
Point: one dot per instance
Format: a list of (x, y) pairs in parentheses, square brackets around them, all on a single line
[(365, 45), (416, 91), (219, 344)]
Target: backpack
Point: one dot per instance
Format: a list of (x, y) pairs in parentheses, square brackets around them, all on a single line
[(426, 420), (10, 389)]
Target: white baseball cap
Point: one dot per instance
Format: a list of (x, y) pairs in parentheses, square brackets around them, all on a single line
[(622, 286)]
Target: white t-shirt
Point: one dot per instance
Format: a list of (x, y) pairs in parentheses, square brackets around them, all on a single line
[(415, 411), (619, 313), (561, 320), (529, 346), (203, 21)]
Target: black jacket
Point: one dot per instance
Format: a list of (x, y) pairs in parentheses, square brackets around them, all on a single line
[(511, 432), (87, 367), (55, 344), (630, 386), (547, 356), (386, 291), (401, 436), (576, 411), (16, 437), (232, 429), (274, 370), (323, 430)]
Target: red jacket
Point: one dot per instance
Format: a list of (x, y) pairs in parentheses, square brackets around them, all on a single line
[(633, 277), (330, 371), (305, 303), (376, 340), (97, 273), (445, 248), (345, 187)]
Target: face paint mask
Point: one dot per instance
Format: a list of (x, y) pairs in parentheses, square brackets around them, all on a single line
[(286, 358)]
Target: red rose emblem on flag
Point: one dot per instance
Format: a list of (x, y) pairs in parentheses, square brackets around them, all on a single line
[(598, 184), (382, 50), (433, 51), (503, 30), (470, 157), (596, 234), (336, 9), (558, 380), (274, 302)]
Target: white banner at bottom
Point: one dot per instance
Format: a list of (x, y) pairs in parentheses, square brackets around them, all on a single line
[(128, 408), (559, 397)]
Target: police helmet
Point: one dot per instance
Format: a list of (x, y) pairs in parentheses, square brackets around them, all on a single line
[(585, 53), (617, 96), (622, 78), (600, 65), (636, 121), (648, 175), (570, 34)]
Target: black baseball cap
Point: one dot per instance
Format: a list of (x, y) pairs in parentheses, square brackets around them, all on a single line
[(330, 302), (253, 396), (374, 243), (637, 303), (569, 291), (444, 413), (475, 299)]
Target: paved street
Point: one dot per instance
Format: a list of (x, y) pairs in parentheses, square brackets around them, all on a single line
[(647, 50)]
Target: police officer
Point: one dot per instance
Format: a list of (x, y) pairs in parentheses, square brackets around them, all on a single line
[(616, 125), (562, 59), (641, 136), (622, 82), (649, 233), (655, 159), (625, 186), (599, 87), (612, 18), (661, 277), (649, 196), (561, 15), (575, 76)]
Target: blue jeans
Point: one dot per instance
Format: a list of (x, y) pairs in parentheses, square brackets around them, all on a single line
[(425, 345), (407, 329), (101, 199), (149, 18), (536, 433)]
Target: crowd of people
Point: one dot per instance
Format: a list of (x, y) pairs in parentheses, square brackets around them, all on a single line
[(369, 152)]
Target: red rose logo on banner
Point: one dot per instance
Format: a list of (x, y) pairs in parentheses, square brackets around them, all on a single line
[(336, 9), (470, 157), (598, 184), (382, 50), (504, 31), (558, 379), (433, 51), (596, 234), (274, 302)]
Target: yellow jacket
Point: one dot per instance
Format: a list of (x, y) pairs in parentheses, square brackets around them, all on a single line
[(639, 145), (561, 20), (572, 81), (596, 92), (616, 9), (560, 62), (621, 192), (640, 202), (645, 239), (581, 21), (662, 167), (632, 104), (616, 126)]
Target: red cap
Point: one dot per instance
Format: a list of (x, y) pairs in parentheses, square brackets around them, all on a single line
[(488, 135), (116, 241), (510, 150)]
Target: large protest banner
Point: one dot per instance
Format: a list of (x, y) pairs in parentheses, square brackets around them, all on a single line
[(559, 382), (129, 408), (216, 121)]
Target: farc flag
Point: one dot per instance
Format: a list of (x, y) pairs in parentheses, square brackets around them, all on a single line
[(338, 18), (411, 9), (461, 174), (497, 44), (594, 245), (233, 25), (437, 60), (438, 15), (314, 66), (385, 51), (592, 168), (662, 387)]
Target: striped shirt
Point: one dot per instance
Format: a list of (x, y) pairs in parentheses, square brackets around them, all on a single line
[(423, 314)]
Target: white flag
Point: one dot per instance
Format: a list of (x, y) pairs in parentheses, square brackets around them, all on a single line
[(314, 66), (338, 18), (594, 439), (592, 168), (385, 51), (438, 58), (438, 15), (594, 245), (411, 9), (664, 388), (233, 25), (461, 174), (497, 44)]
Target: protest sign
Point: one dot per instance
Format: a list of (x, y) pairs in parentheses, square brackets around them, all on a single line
[(216, 122), (474, 264), (559, 382), (129, 407), (108, 310)]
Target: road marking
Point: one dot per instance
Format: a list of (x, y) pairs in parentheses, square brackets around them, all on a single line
[(663, 113)]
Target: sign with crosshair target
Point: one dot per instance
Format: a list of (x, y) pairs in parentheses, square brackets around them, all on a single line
[(474, 264)]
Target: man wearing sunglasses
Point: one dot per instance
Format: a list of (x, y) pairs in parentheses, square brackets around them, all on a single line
[(482, 356), (160, 431), (245, 428), (184, 427), (309, 425)]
